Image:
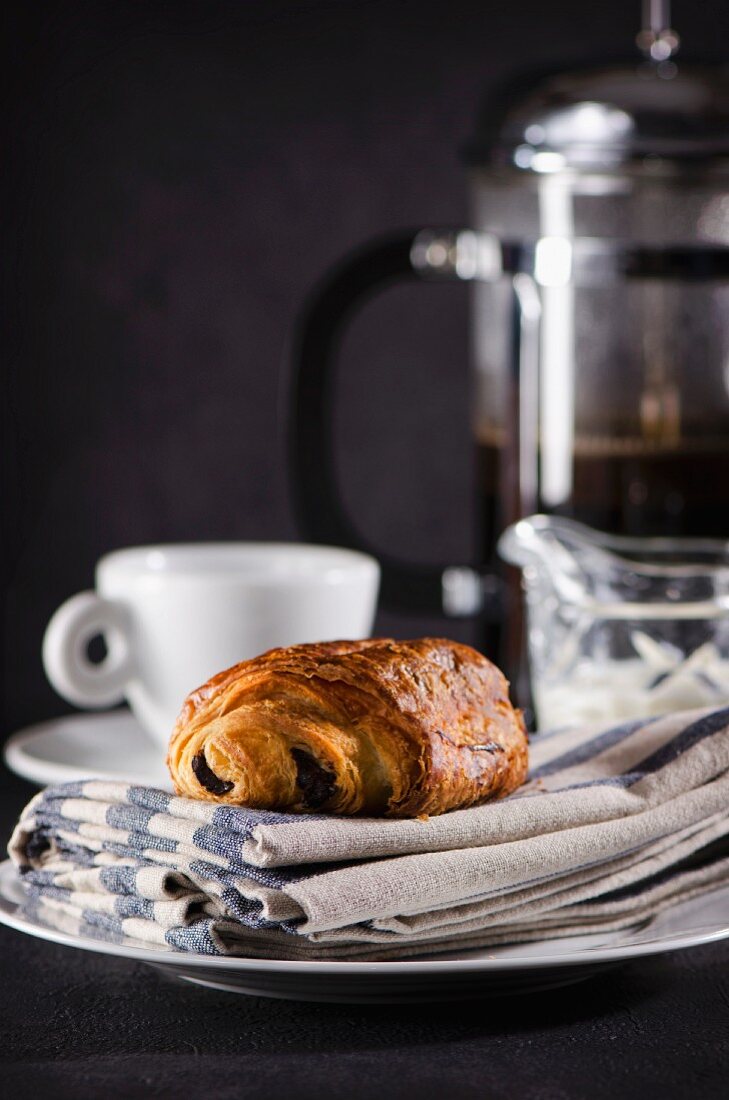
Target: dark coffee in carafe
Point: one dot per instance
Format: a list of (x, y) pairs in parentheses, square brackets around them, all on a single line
[(623, 486)]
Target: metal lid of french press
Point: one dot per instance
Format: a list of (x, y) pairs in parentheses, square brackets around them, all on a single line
[(601, 118)]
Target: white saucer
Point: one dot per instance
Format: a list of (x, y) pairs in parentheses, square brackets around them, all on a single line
[(515, 969), (103, 744)]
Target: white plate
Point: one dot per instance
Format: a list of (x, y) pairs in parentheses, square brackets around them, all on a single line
[(104, 744), (496, 971)]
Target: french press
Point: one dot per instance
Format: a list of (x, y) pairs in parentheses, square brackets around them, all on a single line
[(598, 262)]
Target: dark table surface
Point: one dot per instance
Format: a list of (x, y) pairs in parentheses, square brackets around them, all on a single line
[(77, 1025)]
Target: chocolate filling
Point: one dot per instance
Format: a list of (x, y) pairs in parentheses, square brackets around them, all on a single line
[(317, 784), (207, 778)]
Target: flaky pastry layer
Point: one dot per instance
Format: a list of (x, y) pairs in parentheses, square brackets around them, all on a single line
[(375, 727)]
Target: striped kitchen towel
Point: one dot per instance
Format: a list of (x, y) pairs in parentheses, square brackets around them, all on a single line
[(612, 826)]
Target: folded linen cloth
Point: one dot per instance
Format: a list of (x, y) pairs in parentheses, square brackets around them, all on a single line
[(612, 826)]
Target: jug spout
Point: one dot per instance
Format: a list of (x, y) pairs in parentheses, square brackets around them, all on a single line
[(565, 554), (539, 536), (580, 564)]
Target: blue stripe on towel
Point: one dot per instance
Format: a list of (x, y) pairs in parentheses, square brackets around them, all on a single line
[(210, 838), (71, 790), (691, 736), (246, 910), (51, 821), (588, 749), (107, 921), (139, 842), (243, 821), (119, 880), (150, 799), (129, 817), (272, 879), (195, 937), (129, 905), (695, 733)]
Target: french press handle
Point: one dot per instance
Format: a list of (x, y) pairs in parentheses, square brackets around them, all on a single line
[(320, 511)]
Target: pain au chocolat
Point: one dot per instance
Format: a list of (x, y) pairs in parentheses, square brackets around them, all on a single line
[(374, 727)]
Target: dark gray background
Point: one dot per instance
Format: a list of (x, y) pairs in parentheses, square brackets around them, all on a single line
[(178, 176)]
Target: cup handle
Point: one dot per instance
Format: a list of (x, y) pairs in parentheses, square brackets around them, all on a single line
[(76, 678)]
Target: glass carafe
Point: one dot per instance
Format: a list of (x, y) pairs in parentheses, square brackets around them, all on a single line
[(598, 262), (625, 423)]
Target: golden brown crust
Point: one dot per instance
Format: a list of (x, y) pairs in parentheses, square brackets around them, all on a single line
[(371, 727)]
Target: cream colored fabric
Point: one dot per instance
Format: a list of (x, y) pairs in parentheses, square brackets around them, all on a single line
[(612, 827)]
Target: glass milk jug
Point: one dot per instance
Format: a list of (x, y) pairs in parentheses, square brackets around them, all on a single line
[(620, 627)]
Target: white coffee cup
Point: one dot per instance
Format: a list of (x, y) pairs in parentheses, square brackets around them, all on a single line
[(172, 616)]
